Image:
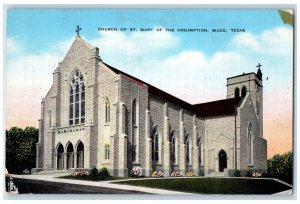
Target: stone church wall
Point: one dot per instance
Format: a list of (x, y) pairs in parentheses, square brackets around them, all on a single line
[(219, 136), (247, 115)]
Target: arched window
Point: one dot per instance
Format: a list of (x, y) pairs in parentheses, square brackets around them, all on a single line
[(187, 147), (244, 91), (154, 136), (107, 111), (134, 130), (106, 151), (250, 144), (199, 150), (237, 93), (173, 146), (77, 99)]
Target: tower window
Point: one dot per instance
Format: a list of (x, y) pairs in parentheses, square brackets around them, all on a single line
[(244, 91), (237, 93)]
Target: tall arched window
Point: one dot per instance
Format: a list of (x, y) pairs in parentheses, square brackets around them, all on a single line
[(173, 146), (134, 130), (107, 111), (187, 147), (155, 147), (244, 91), (237, 93), (199, 150), (77, 99), (250, 144)]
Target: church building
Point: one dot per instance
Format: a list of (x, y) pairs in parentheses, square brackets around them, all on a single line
[(97, 115)]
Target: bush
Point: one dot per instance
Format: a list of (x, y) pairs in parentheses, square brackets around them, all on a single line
[(104, 173), (264, 174), (176, 174), (190, 174), (248, 173), (237, 173), (281, 167), (157, 174), (136, 172), (94, 171)]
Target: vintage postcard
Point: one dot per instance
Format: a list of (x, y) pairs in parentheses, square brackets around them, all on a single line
[(149, 101)]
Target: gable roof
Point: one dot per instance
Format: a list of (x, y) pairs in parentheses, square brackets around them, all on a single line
[(210, 109)]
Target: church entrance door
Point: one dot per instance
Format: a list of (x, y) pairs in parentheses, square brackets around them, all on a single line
[(222, 160)]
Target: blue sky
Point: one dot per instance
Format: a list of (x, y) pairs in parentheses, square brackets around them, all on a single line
[(40, 28), (191, 66)]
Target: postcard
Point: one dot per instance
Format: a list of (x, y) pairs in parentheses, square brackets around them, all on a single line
[(165, 101)]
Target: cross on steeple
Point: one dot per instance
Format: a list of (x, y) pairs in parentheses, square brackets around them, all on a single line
[(77, 30), (259, 65)]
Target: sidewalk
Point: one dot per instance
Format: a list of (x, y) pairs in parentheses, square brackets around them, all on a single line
[(104, 184)]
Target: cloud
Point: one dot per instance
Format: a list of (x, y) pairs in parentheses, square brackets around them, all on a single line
[(275, 42), (13, 46)]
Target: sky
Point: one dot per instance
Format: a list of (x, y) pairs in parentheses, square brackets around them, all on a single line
[(192, 66)]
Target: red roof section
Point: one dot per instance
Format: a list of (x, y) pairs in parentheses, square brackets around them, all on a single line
[(210, 109), (218, 108)]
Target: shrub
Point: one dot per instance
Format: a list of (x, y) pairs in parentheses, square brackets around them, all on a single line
[(94, 171), (176, 174), (136, 172), (201, 172), (157, 174), (237, 173), (256, 174), (80, 173), (248, 173), (104, 173), (281, 167), (264, 174), (190, 174)]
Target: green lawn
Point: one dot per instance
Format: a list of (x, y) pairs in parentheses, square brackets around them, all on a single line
[(213, 185)]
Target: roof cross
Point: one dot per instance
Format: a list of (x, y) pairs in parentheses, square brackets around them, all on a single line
[(77, 30), (259, 65)]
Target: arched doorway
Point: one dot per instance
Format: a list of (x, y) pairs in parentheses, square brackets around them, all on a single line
[(80, 155), (60, 157), (222, 160), (70, 156)]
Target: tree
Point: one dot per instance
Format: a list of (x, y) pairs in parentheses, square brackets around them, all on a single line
[(20, 149), (281, 167)]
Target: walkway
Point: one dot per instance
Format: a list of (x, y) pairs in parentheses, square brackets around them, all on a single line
[(102, 184)]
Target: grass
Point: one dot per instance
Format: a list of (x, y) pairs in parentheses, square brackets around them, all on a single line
[(92, 178), (213, 185)]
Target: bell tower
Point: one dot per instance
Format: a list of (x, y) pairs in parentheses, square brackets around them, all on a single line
[(248, 83)]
